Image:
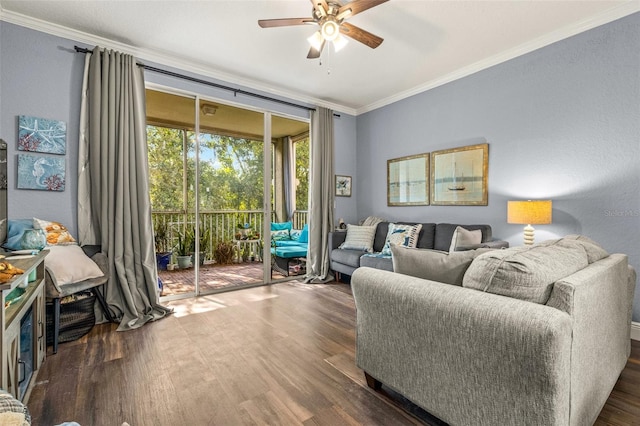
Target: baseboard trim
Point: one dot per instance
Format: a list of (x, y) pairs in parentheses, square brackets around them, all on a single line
[(635, 330)]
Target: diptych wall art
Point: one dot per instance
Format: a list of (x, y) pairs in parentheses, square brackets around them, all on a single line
[(459, 176), (42, 172), (42, 135), (408, 181)]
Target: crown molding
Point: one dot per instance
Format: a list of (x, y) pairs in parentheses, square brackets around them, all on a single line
[(605, 17), (164, 59)]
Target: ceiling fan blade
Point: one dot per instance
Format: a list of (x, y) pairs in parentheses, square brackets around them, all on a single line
[(320, 6), (358, 34), (315, 53), (270, 23), (358, 6)]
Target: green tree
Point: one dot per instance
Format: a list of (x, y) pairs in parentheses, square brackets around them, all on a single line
[(165, 167), (302, 174)]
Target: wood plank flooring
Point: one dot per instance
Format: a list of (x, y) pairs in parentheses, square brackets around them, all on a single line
[(273, 355)]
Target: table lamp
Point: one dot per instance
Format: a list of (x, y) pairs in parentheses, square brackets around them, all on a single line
[(537, 212)]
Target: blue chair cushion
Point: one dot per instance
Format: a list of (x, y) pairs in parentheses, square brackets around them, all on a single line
[(289, 252)]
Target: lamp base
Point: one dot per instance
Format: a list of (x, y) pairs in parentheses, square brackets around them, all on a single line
[(528, 235)]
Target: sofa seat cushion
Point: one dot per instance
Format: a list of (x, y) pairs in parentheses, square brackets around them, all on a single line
[(526, 273), (377, 260), (289, 252), (346, 257), (288, 243), (433, 265)]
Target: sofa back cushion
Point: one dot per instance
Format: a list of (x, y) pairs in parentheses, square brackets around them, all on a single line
[(528, 272), (444, 234), (433, 265)]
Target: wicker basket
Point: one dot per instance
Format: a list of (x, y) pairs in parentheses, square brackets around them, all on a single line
[(77, 318)]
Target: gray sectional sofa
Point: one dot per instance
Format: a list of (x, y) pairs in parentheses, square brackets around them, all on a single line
[(533, 335), (432, 236)]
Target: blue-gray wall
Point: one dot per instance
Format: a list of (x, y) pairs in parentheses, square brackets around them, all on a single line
[(40, 77), (562, 123)]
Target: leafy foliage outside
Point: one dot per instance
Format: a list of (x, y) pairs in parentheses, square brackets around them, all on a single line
[(231, 180), (231, 171)]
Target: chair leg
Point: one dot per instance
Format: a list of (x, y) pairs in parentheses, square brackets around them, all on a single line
[(103, 305), (56, 323)]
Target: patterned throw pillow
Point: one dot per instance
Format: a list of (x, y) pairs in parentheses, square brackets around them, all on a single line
[(57, 233), (359, 238), (281, 231), (401, 235)]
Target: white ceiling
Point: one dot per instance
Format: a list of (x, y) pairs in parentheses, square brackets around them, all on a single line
[(426, 43)]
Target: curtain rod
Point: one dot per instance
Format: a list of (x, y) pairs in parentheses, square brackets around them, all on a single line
[(209, 83)]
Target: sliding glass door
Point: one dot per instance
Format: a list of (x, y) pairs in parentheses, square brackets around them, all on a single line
[(212, 206)]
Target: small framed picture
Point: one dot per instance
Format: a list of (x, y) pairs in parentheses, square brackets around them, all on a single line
[(343, 186)]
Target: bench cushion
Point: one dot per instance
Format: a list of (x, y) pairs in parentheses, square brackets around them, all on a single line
[(289, 251)]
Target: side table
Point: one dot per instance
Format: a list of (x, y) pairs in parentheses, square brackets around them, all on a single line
[(253, 245)]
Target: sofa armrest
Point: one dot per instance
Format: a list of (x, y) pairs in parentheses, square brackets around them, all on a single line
[(599, 299), (466, 356), (336, 238)]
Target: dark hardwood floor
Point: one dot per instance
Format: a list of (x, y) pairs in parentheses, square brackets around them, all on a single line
[(276, 355)]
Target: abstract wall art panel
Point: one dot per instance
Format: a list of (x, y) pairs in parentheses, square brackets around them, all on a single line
[(42, 135), (41, 172)]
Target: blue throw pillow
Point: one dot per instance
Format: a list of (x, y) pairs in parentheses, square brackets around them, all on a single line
[(304, 235), (15, 229)]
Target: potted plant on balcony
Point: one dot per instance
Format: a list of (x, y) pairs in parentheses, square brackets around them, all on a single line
[(185, 248), (205, 240), (161, 239)]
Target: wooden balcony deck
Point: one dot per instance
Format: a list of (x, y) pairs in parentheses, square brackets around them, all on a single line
[(213, 278)]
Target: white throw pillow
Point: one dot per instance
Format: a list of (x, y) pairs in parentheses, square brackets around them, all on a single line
[(463, 238), (359, 238), (69, 264)]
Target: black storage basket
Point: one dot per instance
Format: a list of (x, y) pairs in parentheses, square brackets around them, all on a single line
[(77, 318)]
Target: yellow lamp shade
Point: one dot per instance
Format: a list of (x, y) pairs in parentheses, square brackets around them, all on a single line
[(536, 212)]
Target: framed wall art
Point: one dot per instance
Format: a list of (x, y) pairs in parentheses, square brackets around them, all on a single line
[(343, 186), (459, 176), (408, 181), (42, 172), (42, 135)]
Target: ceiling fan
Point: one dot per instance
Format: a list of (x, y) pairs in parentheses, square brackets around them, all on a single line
[(330, 16)]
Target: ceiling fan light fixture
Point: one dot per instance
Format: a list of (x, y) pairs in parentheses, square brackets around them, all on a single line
[(330, 29), (316, 40), (340, 42)]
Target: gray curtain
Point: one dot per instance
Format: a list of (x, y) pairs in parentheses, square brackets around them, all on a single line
[(289, 174), (321, 195), (114, 209)]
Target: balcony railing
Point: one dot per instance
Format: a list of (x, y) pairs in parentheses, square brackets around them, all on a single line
[(219, 225)]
